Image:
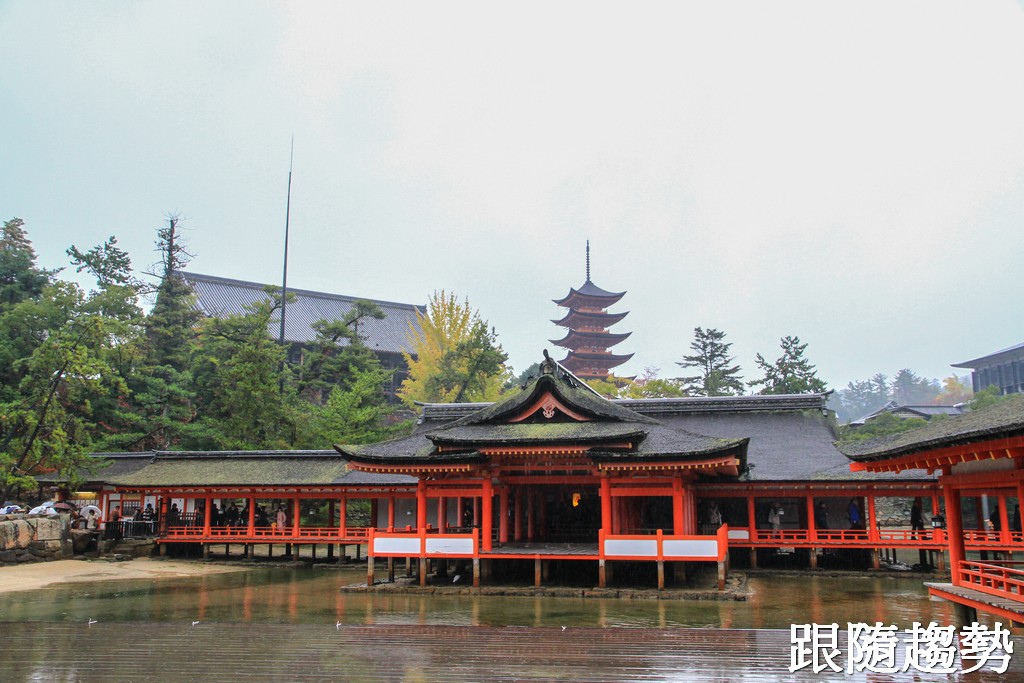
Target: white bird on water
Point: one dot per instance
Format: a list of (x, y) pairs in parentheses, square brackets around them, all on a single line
[(338, 626), (194, 623), (92, 621)]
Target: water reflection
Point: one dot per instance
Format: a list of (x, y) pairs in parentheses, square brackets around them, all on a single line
[(304, 595)]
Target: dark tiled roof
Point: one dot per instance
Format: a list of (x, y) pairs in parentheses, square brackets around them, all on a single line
[(216, 469), (1003, 419), (106, 465), (572, 393), (218, 296), (791, 445), (358, 478), (232, 468), (545, 432), (489, 425), (589, 289)]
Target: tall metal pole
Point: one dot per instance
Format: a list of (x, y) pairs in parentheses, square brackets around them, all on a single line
[(284, 276), (287, 216)]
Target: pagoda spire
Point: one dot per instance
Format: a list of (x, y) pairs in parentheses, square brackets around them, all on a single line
[(588, 339)]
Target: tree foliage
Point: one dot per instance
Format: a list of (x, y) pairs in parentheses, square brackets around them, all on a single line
[(649, 385), (884, 424), (955, 390), (791, 373), (87, 371), (910, 389), (717, 376), (456, 355), (20, 276)]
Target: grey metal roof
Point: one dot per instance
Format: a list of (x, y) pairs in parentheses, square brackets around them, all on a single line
[(984, 360), (219, 296)]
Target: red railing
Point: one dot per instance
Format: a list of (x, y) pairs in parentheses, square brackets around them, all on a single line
[(222, 534), (995, 577)]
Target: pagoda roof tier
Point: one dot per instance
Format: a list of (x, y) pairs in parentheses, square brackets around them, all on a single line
[(576, 360), (552, 413), (589, 296), (575, 339), (576, 319)]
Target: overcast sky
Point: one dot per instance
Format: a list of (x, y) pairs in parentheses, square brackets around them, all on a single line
[(848, 172)]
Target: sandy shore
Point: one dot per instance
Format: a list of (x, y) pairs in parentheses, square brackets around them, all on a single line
[(42, 574)]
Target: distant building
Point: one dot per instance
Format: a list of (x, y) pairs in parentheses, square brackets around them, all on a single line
[(219, 296), (1004, 369), (925, 412), (588, 339)]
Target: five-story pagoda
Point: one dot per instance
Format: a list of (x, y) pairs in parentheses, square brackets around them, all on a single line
[(588, 339)]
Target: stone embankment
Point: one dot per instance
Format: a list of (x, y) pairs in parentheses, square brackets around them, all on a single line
[(34, 538)]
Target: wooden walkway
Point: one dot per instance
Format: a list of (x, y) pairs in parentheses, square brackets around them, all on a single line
[(272, 653), (1011, 610)]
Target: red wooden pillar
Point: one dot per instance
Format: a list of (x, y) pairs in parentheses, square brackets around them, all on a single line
[(165, 508), (207, 516), (689, 511), (529, 515), (518, 524), (1020, 501), (343, 515), (373, 512), (503, 514), (460, 510), (421, 504), (296, 514), (1004, 519), (677, 506), (606, 505), (751, 517), (391, 513), (542, 516), (955, 533), (872, 521), (251, 523), (812, 528), (487, 499)]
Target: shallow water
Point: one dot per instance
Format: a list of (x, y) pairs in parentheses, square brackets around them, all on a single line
[(285, 624), (311, 595)]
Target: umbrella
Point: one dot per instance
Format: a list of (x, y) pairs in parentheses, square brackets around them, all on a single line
[(44, 509), (10, 509), (64, 506), (85, 511)]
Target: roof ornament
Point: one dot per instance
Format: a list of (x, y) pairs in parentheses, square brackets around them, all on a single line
[(588, 260), (547, 367)]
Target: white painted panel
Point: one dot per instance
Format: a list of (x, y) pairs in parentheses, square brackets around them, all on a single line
[(626, 548), (707, 548), (404, 546), (449, 546), (739, 534)]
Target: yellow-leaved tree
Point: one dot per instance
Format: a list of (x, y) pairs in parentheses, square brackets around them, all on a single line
[(456, 356)]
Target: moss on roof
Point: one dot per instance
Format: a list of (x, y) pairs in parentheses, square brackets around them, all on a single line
[(538, 432), (573, 394), (236, 471), (1005, 418)]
